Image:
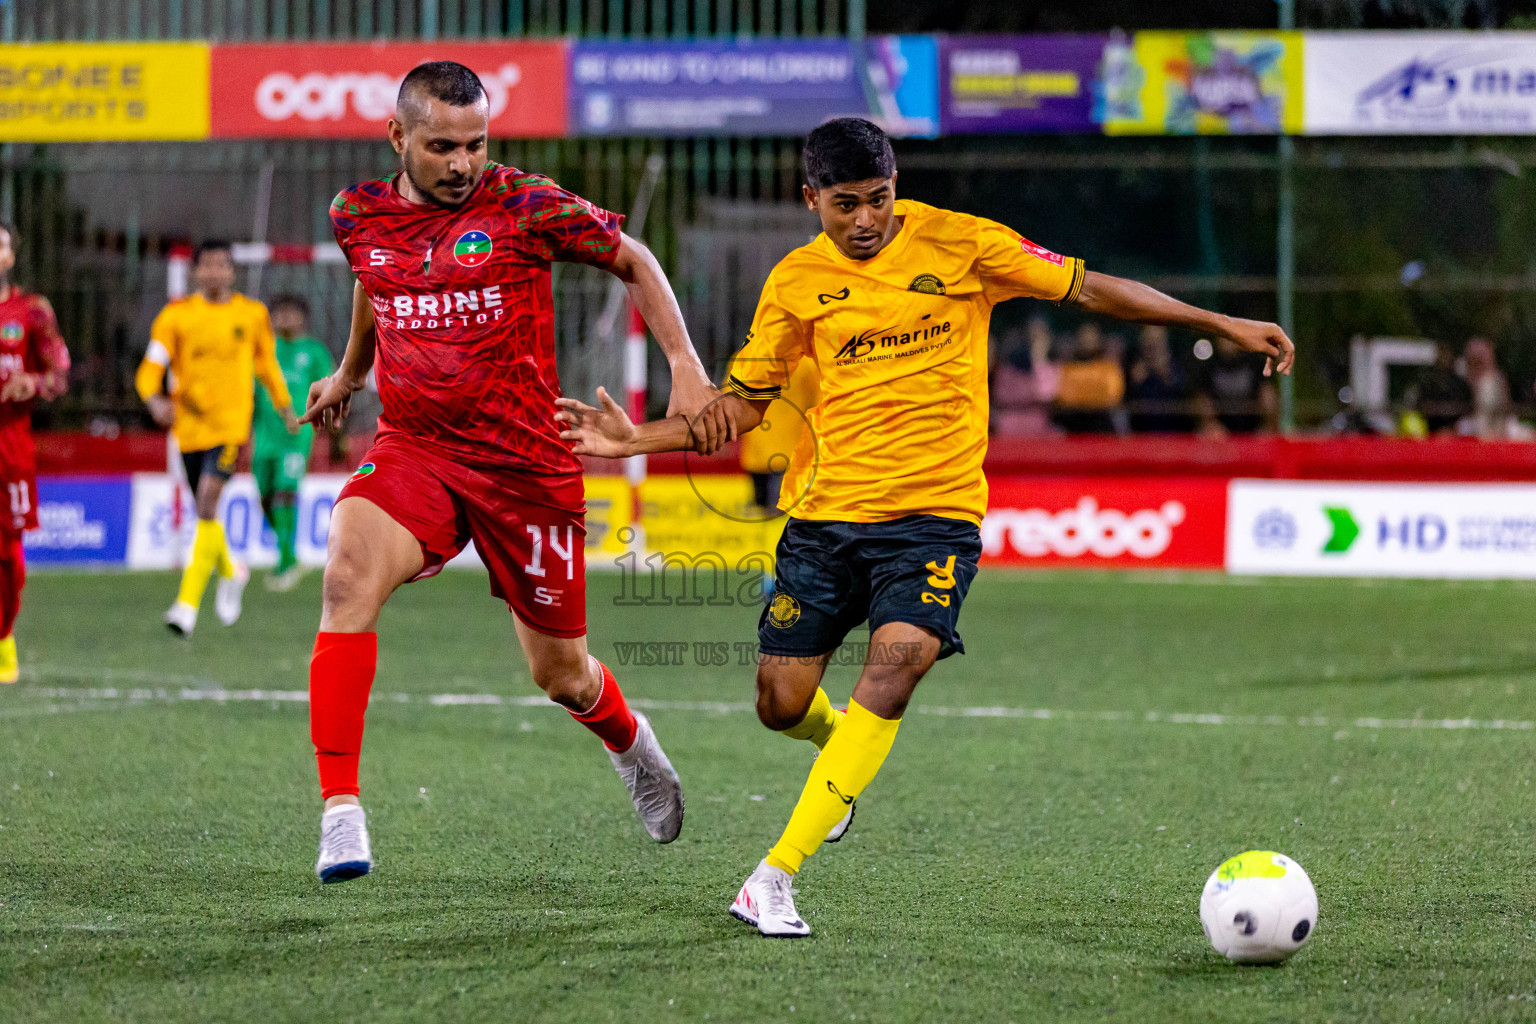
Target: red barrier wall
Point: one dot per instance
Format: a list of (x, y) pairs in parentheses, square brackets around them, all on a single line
[(1342, 458)]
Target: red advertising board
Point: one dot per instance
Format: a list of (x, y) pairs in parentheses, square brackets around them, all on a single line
[(347, 90), (1111, 522)]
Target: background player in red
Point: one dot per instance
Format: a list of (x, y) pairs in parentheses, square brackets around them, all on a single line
[(33, 364), (454, 303)]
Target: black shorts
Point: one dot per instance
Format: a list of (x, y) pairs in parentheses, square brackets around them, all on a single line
[(831, 576), (218, 462)]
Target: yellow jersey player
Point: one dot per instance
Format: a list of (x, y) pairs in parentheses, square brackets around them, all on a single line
[(885, 491), (213, 342)]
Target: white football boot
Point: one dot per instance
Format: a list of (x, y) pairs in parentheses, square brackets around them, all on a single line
[(231, 592), (181, 619), (839, 830), (652, 783), (767, 901), (282, 582), (344, 850)]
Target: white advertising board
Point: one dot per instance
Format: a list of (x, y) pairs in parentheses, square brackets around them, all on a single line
[(1441, 531), (1420, 83)]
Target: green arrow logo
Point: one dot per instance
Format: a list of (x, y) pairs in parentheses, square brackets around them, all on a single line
[(1345, 530)]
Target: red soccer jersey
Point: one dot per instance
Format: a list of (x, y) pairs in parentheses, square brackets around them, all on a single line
[(29, 343), (465, 355)]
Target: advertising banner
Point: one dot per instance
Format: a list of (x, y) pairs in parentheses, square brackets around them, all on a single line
[(998, 84), (751, 86), (103, 92), (1420, 83), (82, 520), (1105, 523), (348, 90), (1204, 83), (154, 540), (1443, 531)]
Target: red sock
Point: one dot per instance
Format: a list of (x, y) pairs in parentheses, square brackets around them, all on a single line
[(13, 576), (340, 676), (610, 717)]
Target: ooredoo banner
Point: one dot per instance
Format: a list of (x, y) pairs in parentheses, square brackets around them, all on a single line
[(1439, 531), (347, 90), (1109, 523), (1421, 83)]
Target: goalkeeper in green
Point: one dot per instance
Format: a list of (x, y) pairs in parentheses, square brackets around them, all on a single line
[(280, 457)]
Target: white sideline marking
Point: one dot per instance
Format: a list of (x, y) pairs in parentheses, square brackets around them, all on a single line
[(106, 696)]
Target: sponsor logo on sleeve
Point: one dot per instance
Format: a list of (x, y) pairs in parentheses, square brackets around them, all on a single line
[(1041, 252)]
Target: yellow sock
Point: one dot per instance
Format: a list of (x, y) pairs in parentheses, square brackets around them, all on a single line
[(207, 552), (9, 669), (847, 764), (226, 563), (819, 723)]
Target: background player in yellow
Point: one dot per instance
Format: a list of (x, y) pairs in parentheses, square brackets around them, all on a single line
[(213, 342), (885, 490)]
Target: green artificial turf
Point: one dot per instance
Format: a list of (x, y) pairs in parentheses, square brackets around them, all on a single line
[(1038, 862)]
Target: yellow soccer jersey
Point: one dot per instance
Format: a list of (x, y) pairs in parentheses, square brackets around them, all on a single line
[(900, 344), (213, 351)]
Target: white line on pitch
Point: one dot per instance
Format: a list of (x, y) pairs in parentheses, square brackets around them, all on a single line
[(106, 696)]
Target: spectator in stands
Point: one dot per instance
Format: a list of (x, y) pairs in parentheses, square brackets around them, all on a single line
[(1234, 395), (1092, 387), (1157, 396), (1492, 416), (1025, 383), (1441, 396)]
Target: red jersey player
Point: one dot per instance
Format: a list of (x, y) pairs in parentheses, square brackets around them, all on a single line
[(454, 303), (33, 364)]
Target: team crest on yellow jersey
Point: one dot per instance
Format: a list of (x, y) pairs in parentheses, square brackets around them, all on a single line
[(928, 284), (784, 611)]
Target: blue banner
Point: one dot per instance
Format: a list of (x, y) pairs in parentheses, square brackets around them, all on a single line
[(82, 520), (751, 86)]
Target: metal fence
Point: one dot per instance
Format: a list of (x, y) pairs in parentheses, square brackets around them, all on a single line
[(233, 20)]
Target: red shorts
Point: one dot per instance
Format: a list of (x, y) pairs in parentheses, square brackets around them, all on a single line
[(18, 500), (528, 528)]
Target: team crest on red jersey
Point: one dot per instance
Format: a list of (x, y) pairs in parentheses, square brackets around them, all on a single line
[(1042, 252), (472, 249), (11, 331)]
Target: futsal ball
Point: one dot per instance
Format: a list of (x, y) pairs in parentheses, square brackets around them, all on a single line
[(1258, 908)]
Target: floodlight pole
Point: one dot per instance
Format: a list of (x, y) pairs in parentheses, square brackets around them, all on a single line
[(1285, 245)]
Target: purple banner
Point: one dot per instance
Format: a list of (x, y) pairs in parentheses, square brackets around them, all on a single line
[(747, 87), (752, 86), (1007, 84)]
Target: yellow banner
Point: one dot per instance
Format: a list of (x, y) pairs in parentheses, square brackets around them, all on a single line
[(101, 92), (1204, 83), (707, 521)]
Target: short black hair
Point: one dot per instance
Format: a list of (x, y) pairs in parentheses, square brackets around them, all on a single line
[(212, 245), (446, 80), (847, 149), (297, 302)]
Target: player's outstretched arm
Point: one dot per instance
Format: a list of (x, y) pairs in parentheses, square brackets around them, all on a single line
[(608, 432), (330, 397), (693, 396), (1132, 300)]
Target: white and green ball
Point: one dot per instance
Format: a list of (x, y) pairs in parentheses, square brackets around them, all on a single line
[(1258, 907)]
